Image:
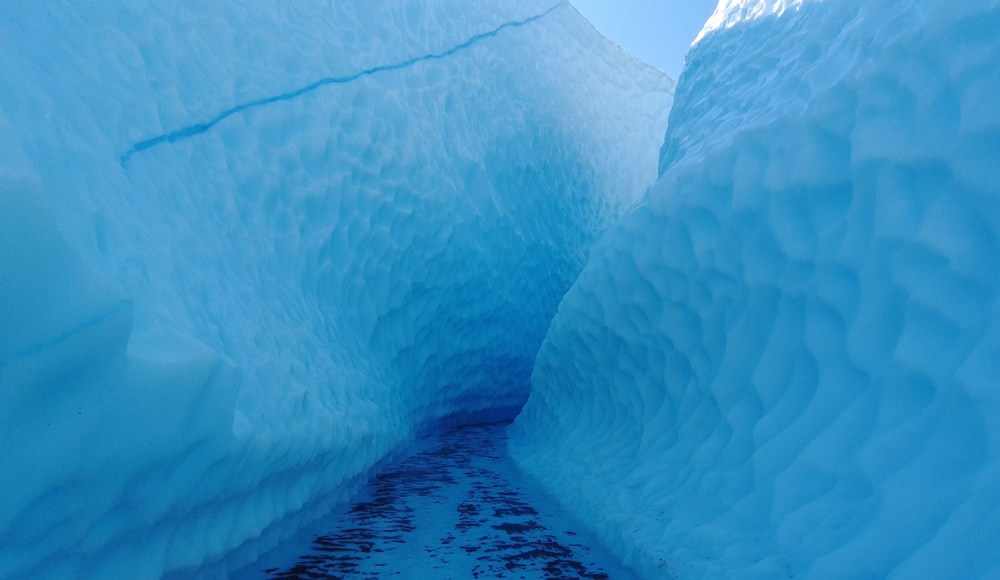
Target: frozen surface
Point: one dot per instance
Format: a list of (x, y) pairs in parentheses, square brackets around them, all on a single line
[(456, 508), (246, 251), (785, 362)]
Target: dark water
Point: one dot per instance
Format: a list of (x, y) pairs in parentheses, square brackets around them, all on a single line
[(459, 508)]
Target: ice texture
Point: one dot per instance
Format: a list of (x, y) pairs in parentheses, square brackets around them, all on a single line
[(784, 362), (249, 249)]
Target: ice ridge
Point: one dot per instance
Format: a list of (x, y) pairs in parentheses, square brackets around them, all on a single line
[(199, 128)]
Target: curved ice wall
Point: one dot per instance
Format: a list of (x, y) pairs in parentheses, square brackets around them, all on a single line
[(785, 362), (246, 250)]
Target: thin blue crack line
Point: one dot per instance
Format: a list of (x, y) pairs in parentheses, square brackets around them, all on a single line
[(199, 128), (67, 334)]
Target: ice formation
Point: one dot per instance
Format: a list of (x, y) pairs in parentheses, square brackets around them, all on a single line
[(784, 362), (246, 251)]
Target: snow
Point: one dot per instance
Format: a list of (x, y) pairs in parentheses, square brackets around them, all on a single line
[(784, 361), (249, 252)]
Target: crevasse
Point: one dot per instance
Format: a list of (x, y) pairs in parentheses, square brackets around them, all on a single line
[(248, 252)]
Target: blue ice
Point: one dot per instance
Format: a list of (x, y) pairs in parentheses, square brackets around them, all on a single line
[(250, 254)]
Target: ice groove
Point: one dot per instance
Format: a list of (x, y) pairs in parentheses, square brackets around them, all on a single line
[(199, 128), (66, 334)]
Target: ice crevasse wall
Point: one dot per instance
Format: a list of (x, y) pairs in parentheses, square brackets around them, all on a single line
[(248, 250), (785, 361)]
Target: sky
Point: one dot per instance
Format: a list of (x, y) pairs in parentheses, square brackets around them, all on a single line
[(656, 31)]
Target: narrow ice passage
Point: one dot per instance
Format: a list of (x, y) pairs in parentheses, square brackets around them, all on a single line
[(762, 342), (456, 508)]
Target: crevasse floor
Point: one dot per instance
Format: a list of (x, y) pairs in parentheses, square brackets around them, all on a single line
[(457, 508)]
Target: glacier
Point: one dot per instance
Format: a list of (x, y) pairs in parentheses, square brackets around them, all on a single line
[(249, 253), (784, 361)]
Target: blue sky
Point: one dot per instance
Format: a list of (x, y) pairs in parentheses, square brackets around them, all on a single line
[(657, 31)]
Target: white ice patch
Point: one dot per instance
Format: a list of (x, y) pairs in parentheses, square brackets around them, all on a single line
[(731, 13)]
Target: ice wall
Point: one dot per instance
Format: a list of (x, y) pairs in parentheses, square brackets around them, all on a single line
[(246, 250), (785, 362)]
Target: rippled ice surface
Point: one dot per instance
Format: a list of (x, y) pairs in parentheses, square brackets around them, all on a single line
[(455, 508)]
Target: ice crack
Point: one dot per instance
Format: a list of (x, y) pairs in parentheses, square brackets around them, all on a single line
[(65, 335), (199, 128)]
